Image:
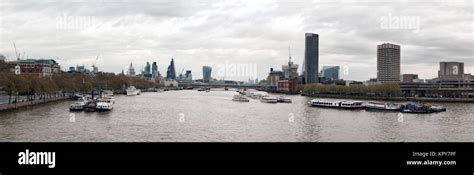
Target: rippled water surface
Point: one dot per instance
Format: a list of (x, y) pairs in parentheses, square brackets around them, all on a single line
[(193, 116)]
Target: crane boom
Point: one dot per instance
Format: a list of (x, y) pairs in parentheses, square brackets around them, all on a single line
[(16, 53), (289, 53)]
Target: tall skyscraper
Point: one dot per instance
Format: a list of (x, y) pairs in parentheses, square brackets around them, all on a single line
[(171, 73), (154, 69), (147, 68), (206, 73), (388, 62), (311, 58)]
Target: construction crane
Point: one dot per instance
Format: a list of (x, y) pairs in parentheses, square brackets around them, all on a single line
[(16, 53), (96, 58), (289, 53)]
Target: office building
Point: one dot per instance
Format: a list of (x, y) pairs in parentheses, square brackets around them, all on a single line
[(388, 63), (37, 67), (330, 72), (311, 59), (154, 70), (147, 68), (206, 72), (171, 72)]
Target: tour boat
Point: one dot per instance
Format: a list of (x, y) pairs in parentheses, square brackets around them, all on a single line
[(240, 98), (383, 106), (351, 104), (284, 99), (320, 103), (258, 94), (131, 91), (105, 104), (78, 105), (269, 99)]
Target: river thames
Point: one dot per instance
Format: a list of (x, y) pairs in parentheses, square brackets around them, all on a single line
[(192, 116)]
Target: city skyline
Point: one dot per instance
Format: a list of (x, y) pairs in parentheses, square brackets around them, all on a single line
[(240, 32)]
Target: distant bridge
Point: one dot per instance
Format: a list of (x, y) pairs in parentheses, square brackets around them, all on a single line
[(198, 85)]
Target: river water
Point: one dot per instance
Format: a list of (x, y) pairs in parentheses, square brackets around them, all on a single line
[(192, 116)]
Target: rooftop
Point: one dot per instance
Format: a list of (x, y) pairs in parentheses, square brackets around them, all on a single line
[(35, 61)]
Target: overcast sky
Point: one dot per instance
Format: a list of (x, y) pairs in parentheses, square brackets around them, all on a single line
[(207, 32)]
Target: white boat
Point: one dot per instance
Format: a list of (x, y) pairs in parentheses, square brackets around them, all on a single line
[(78, 105), (351, 104), (105, 104), (108, 93), (321, 103), (258, 94), (284, 99), (240, 98), (269, 99), (383, 106), (133, 91)]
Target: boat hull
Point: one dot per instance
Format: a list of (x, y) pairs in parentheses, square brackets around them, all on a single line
[(382, 109), (102, 109), (76, 109), (284, 100), (132, 93), (241, 100)]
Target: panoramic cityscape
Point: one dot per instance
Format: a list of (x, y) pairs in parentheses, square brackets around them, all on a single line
[(290, 81)]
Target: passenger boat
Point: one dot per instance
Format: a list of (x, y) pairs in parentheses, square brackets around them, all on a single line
[(131, 91), (104, 104), (341, 104), (78, 105), (320, 103), (258, 94), (383, 106), (240, 98), (284, 99), (269, 99), (351, 105)]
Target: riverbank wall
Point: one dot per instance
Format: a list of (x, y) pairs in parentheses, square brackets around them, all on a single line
[(22, 105)]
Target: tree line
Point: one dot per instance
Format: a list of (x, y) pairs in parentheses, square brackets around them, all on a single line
[(65, 83)]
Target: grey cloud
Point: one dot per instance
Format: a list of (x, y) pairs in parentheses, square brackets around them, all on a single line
[(205, 32)]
